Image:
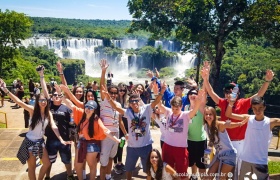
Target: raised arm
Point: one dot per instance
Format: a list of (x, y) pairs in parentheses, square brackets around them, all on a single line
[(67, 102), (72, 97), (112, 103), (61, 74), (268, 78), (197, 102), (159, 97), (27, 107), (104, 65), (43, 82), (205, 76)]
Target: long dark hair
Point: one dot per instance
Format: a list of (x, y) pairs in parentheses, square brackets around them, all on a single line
[(74, 92), (97, 110), (36, 117), (92, 118), (125, 96), (160, 164), (212, 130)]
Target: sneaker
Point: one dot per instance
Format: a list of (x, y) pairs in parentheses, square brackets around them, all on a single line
[(117, 169), (71, 177), (122, 167)]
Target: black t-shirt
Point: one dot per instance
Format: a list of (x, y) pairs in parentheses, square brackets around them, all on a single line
[(61, 115)]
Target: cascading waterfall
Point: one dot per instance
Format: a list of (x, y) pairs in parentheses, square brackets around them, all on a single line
[(82, 48)]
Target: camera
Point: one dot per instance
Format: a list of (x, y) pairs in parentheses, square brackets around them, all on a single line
[(39, 68)]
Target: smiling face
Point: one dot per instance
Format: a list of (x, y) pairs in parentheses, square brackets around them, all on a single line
[(178, 90), (42, 101), (258, 110), (89, 111), (79, 92), (89, 96), (192, 95), (56, 99), (113, 92), (209, 115)]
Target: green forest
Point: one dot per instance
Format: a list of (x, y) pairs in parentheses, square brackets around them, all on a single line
[(244, 60)]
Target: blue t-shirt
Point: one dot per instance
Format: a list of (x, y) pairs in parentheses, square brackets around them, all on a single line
[(169, 95)]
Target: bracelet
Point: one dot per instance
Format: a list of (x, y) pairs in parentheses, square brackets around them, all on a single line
[(229, 105), (61, 74), (42, 76), (8, 92), (159, 94), (267, 81), (126, 134)]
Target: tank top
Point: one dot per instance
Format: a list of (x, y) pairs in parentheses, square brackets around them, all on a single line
[(257, 140), (38, 132), (165, 175), (196, 129), (224, 143)]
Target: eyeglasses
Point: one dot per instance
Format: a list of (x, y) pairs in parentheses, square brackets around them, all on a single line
[(134, 101), (55, 95), (89, 107), (42, 100), (113, 92), (122, 90)]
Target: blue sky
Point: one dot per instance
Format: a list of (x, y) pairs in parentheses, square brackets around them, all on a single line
[(78, 9)]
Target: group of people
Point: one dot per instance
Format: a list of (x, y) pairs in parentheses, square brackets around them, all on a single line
[(188, 128)]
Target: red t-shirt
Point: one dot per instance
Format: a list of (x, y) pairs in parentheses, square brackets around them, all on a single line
[(241, 106)]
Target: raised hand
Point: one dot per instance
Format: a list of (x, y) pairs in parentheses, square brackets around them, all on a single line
[(200, 96), (150, 74), (163, 86), (269, 75), (59, 67), (40, 69), (103, 64), (57, 88)]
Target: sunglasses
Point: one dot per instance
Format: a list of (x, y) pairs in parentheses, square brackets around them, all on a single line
[(55, 95), (134, 101), (89, 107), (113, 92), (42, 100), (122, 90), (191, 93)]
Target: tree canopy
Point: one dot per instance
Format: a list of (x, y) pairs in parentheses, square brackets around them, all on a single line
[(210, 23), (13, 27)]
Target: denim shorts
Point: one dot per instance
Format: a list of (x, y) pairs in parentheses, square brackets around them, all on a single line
[(91, 147), (227, 157)]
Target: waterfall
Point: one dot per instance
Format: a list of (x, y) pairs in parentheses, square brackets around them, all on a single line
[(126, 43), (185, 61), (158, 43)]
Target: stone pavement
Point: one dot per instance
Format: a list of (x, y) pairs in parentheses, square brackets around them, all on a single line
[(11, 138)]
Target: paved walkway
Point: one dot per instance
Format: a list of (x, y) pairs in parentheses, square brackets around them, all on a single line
[(11, 138)]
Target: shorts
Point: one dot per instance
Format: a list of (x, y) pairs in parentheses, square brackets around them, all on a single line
[(196, 152), (227, 157), (91, 147), (54, 146), (176, 157), (109, 150), (253, 171), (133, 153), (2, 93)]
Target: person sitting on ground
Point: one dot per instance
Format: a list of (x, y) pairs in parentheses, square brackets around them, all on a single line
[(157, 169), (257, 138)]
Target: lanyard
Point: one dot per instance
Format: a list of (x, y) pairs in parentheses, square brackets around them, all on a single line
[(174, 122)]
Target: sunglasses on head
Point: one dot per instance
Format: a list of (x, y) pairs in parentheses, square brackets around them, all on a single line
[(89, 107), (134, 101), (42, 100), (113, 92), (122, 90)]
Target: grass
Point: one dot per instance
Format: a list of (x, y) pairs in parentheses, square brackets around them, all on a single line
[(274, 167), (2, 125)]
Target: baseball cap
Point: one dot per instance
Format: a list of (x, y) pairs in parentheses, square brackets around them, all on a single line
[(92, 104)]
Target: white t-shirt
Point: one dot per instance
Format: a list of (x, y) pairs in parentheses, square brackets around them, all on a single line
[(177, 128), (109, 116), (161, 121), (139, 126)]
